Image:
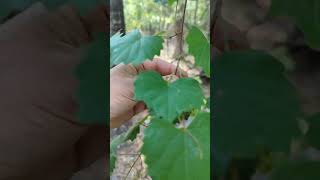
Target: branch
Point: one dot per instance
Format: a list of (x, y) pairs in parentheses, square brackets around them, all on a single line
[(182, 28)]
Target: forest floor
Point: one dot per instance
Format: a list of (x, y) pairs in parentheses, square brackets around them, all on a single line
[(130, 165)]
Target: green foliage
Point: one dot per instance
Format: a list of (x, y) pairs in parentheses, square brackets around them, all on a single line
[(134, 48), (173, 153), (130, 135), (301, 170), (199, 47), (172, 1), (305, 14), (93, 85), (113, 150), (152, 17), (254, 104), (313, 134), (177, 142), (168, 101)]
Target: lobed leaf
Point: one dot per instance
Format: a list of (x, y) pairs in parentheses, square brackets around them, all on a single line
[(254, 104), (168, 101), (199, 47), (134, 48), (173, 153)]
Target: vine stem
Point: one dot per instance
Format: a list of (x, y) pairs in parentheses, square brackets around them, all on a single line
[(181, 40), (135, 161)]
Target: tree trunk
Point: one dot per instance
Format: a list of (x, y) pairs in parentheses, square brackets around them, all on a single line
[(117, 23)]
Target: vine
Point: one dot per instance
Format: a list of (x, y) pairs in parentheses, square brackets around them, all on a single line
[(176, 143)]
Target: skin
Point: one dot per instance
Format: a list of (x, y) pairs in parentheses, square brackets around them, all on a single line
[(122, 104)]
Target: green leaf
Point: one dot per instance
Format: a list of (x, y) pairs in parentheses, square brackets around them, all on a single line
[(130, 135), (134, 48), (199, 47), (173, 153), (305, 14), (302, 170), (165, 100), (113, 150), (254, 104), (313, 133), (172, 1), (93, 88)]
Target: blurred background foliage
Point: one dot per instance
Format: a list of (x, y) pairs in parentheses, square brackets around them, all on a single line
[(156, 16)]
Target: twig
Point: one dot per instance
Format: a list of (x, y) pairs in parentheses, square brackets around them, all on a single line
[(182, 28), (176, 34), (123, 154), (139, 157)]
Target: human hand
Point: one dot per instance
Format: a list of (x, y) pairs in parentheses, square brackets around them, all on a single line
[(122, 104), (39, 134)]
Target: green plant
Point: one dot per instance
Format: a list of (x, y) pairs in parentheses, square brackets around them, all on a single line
[(256, 111), (176, 142)]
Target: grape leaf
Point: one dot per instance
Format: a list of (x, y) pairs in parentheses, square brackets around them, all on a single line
[(93, 85), (304, 13), (313, 132), (199, 47), (173, 153), (165, 100), (134, 48), (254, 104), (301, 170)]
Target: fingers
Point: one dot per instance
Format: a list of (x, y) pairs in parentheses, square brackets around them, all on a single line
[(163, 67), (139, 107)]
